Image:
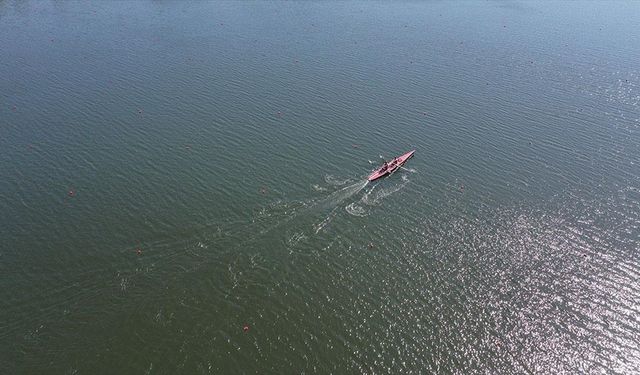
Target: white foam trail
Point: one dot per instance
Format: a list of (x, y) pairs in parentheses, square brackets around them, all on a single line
[(365, 198), (340, 195), (320, 226), (373, 199), (305, 211), (295, 238), (317, 187), (331, 180), (355, 210), (333, 201)]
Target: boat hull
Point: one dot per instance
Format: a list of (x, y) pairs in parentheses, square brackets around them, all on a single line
[(392, 166)]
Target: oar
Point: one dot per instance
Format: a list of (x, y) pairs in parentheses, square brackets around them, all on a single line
[(400, 167)]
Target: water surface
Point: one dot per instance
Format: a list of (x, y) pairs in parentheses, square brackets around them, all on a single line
[(171, 172)]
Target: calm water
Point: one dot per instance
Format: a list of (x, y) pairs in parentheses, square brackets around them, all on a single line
[(172, 172)]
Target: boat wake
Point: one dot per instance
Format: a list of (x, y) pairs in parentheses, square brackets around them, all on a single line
[(356, 210), (292, 223), (374, 197), (331, 180), (339, 196)]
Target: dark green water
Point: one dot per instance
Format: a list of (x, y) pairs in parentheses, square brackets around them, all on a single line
[(171, 172)]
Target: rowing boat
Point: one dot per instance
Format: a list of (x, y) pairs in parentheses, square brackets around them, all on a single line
[(389, 167)]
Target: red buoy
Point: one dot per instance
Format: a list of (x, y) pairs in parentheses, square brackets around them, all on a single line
[(245, 328)]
